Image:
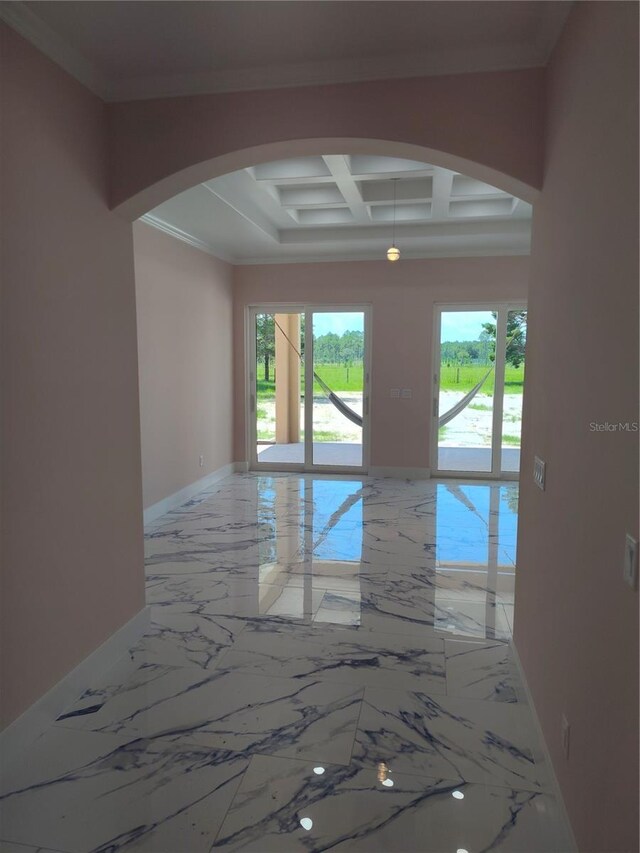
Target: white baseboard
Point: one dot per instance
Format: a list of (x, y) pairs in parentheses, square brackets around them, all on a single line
[(35, 720), (178, 498), (545, 750), (400, 473), (241, 467)]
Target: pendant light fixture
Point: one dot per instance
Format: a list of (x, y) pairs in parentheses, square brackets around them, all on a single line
[(393, 253)]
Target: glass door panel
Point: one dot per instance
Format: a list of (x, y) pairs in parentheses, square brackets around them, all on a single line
[(516, 339), (279, 389), (338, 388), (466, 391)]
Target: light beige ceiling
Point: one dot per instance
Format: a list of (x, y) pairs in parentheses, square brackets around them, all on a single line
[(341, 207), (144, 49)]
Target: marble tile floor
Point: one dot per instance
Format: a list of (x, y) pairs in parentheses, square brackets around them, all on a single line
[(328, 668)]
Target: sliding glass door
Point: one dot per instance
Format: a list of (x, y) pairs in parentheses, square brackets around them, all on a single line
[(278, 386), (308, 388), (338, 388), (478, 383), (465, 395), (515, 342)]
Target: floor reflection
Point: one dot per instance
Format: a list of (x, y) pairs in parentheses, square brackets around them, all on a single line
[(315, 551), (385, 556)]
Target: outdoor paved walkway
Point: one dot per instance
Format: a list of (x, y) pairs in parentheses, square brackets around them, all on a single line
[(331, 453), (347, 454), (476, 459)]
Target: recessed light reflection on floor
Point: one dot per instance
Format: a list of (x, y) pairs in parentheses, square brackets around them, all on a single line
[(306, 823), (457, 795), (318, 771), (383, 775), (461, 850)]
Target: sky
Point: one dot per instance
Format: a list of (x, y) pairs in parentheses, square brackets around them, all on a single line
[(456, 325), (338, 322), (463, 325)]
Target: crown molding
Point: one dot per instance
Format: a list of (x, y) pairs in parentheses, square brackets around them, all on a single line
[(372, 254), (484, 58), (467, 227), (396, 66), (423, 255), (47, 41), (172, 231)]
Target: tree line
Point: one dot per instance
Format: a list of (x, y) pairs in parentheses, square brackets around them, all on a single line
[(346, 349), (330, 348), (483, 351)]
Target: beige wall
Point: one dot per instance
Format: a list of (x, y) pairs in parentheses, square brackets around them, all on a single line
[(184, 338), (402, 296), (72, 520), (487, 125), (576, 622)]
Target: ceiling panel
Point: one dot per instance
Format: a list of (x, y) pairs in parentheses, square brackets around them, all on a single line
[(322, 208)]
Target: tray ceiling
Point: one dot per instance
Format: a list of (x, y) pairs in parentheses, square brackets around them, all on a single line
[(338, 207)]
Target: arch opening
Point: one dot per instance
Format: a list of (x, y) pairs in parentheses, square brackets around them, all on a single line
[(233, 161)]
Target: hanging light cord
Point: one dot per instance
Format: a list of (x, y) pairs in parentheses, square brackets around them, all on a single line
[(395, 180), (392, 252)]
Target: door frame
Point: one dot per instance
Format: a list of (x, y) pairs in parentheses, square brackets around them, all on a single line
[(307, 309), (502, 307)]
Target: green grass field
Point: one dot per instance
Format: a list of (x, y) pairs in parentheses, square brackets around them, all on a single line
[(453, 378), (337, 377), (513, 440), (465, 377)]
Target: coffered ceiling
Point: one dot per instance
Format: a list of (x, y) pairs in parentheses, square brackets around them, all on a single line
[(341, 207)]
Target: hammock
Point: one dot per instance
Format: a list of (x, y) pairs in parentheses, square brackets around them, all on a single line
[(335, 517), (459, 495), (454, 411), (356, 419), (340, 405)]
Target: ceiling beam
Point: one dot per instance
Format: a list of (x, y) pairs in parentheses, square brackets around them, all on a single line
[(230, 191), (339, 168), (442, 184)]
